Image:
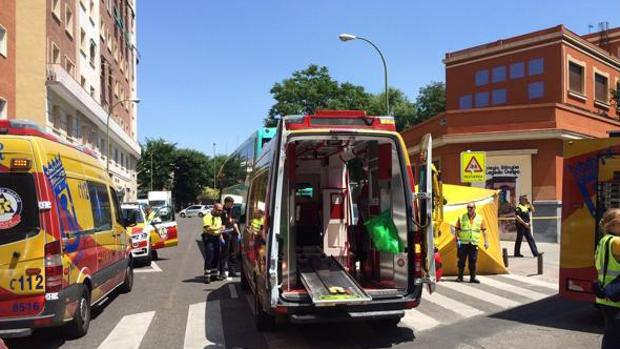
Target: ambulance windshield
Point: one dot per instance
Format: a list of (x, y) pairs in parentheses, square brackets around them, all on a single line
[(19, 212)]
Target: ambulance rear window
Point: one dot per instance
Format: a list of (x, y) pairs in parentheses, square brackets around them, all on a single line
[(19, 209)]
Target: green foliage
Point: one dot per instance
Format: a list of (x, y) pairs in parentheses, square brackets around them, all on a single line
[(615, 97), (230, 172), (162, 165), (401, 108), (209, 195), (312, 89), (431, 101), (191, 175)]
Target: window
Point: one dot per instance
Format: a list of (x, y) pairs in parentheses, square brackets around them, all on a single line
[(55, 54), (56, 9), (70, 67), (535, 66), (465, 102), (19, 188), (482, 99), (498, 96), (3, 108), (3, 42), (576, 77), (93, 52), (517, 70), (100, 206), (304, 190), (482, 77), (117, 206), (499, 74), (69, 20), (536, 90), (257, 197), (83, 41), (601, 88)]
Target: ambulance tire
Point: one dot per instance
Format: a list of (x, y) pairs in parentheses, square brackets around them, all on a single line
[(264, 322), (127, 284), (78, 327)]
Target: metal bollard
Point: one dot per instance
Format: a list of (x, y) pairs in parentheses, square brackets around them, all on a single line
[(505, 256), (540, 263)]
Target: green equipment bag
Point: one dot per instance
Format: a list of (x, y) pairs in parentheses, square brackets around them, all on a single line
[(384, 234)]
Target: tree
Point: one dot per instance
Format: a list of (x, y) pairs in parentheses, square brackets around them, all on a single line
[(311, 89), (230, 172), (402, 109), (157, 156), (192, 173), (615, 97), (431, 101)]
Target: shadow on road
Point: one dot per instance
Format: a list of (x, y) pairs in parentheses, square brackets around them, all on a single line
[(237, 328), (556, 312)]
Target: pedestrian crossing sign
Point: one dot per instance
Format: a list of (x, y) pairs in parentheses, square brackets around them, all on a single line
[(473, 166)]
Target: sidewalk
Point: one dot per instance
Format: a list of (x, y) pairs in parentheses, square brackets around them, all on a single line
[(528, 266)]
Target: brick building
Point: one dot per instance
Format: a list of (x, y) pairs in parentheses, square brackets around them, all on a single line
[(69, 64), (518, 99)]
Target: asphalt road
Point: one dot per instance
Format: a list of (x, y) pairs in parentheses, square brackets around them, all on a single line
[(171, 307)]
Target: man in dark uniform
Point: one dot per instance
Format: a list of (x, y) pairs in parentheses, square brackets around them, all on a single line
[(228, 257), (524, 227)]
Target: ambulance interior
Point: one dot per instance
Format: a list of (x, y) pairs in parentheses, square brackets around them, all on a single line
[(332, 185)]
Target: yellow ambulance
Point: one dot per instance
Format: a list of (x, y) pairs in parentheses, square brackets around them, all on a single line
[(63, 245)]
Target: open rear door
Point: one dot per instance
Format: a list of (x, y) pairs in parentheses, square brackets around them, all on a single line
[(425, 205)]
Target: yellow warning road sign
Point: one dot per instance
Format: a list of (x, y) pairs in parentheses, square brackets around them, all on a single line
[(473, 166)]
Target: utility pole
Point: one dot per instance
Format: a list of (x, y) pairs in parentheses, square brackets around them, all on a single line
[(151, 171)]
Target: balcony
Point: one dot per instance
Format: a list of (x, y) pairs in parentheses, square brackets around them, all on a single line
[(63, 84)]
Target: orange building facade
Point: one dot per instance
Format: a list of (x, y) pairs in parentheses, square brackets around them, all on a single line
[(518, 99)]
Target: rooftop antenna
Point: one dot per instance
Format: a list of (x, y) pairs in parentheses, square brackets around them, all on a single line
[(604, 35), (590, 27)]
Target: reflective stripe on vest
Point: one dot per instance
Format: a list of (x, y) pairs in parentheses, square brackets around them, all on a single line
[(470, 230), (613, 267)]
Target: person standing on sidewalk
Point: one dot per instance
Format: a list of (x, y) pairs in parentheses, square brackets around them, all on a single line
[(607, 259), (469, 227), (211, 239), (524, 227)]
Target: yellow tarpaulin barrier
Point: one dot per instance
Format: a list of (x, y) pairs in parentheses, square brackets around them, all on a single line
[(455, 204)]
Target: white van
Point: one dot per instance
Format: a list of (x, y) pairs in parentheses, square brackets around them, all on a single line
[(305, 255)]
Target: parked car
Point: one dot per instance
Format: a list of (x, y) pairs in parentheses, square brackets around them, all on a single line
[(195, 210)]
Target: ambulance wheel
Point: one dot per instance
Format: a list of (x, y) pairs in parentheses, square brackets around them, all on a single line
[(128, 282), (78, 327), (264, 321)]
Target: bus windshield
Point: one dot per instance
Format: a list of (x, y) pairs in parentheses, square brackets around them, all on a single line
[(19, 211)]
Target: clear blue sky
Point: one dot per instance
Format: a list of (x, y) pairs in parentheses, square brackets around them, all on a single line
[(207, 66)]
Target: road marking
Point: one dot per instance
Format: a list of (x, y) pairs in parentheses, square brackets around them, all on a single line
[(481, 295), (418, 321), (531, 281), (197, 335), (452, 305), (153, 269), (520, 291), (129, 332), (233, 291)]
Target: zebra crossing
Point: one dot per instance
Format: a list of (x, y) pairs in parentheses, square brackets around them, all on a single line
[(452, 302)]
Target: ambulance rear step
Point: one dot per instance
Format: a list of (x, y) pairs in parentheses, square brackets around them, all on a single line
[(328, 283)]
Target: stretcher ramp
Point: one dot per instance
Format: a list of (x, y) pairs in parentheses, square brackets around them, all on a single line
[(327, 282)]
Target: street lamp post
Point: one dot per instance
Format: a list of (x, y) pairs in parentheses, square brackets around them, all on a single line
[(214, 164), (348, 37), (151, 171), (107, 131)]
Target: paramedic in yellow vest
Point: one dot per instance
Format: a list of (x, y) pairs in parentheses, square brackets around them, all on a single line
[(469, 227), (256, 227), (211, 239), (609, 245), (150, 215)]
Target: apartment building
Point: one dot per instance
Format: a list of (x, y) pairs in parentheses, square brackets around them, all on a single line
[(518, 99), (72, 63)]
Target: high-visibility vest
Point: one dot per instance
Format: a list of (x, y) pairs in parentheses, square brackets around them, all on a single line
[(470, 230), (213, 223), (150, 217), (613, 267), (257, 223)]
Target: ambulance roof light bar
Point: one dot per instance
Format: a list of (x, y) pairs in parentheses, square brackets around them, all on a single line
[(340, 119)]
